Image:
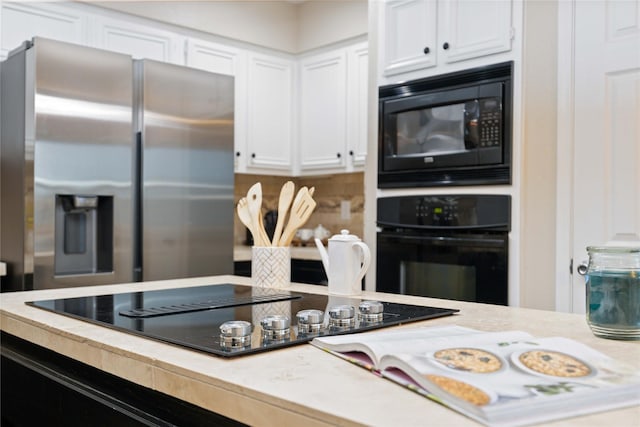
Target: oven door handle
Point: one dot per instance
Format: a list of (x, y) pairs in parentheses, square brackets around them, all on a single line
[(447, 241)]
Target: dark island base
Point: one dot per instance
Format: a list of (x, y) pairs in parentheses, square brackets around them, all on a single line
[(40, 387)]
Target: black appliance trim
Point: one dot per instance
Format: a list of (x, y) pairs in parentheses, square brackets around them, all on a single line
[(450, 176), (205, 305), (477, 75)]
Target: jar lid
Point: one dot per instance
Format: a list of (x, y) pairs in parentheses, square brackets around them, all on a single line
[(621, 243)]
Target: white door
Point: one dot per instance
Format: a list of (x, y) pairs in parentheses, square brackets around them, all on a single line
[(606, 128)]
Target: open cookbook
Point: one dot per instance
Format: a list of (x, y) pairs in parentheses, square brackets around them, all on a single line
[(497, 378)]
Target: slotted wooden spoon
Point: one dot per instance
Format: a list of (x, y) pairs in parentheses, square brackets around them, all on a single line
[(301, 209)]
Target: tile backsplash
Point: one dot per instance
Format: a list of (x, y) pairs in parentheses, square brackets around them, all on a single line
[(330, 192)]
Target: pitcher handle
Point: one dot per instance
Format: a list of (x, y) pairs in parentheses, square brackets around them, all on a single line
[(366, 259)]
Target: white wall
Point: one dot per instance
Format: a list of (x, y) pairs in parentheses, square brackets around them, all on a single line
[(288, 26), (321, 22)]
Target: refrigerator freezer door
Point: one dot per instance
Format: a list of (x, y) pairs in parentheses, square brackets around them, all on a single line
[(83, 112), (75, 142), (187, 172)]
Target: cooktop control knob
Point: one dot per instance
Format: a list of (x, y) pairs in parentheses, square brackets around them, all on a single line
[(310, 321), (275, 327), (342, 316), (371, 311), (235, 334)]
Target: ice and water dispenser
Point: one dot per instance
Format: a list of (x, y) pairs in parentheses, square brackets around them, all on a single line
[(83, 234)]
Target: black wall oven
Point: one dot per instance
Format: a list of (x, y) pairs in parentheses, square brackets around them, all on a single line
[(452, 247), (452, 129)]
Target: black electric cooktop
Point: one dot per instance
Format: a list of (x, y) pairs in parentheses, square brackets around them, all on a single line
[(192, 317)]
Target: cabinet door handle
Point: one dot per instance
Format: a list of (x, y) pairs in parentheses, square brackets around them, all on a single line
[(237, 154), (426, 50), (253, 155), (351, 152), (339, 155), (445, 46)]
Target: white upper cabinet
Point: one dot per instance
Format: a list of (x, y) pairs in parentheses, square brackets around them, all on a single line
[(137, 40), (327, 112), (269, 113), (231, 61), (469, 29), (409, 41), (419, 38), (357, 104), (323, 107), (20, 22), (333, 110)]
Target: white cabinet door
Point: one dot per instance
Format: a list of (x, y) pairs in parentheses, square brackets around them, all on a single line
[(420, 38), (139, 41), (269, 112), (222, 59), (408, 36), (23, 21), (323, 104), (357, 103), (473, 28)]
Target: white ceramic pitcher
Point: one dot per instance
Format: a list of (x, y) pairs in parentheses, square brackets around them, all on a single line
[(346, 262)]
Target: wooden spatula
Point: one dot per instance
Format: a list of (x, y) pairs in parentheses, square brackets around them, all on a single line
[(254, 202), (286, 196)]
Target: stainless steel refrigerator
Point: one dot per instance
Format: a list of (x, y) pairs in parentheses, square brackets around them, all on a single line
[(112, 170)]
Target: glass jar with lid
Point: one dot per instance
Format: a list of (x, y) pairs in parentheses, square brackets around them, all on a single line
[(613, 292)]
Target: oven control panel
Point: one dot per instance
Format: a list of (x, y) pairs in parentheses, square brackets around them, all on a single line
[(446, 211), (428, 213)]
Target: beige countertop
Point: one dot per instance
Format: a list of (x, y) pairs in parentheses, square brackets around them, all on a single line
[(309, 252), (299, 385)]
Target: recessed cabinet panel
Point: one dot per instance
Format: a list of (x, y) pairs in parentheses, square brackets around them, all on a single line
[(409, 35), (357, 103), (470, 29), (323, 103), (218, 58), (139, 41), (269, 112), (214, 57), (20, 22)]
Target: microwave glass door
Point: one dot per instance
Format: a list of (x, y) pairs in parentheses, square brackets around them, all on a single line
[(431, 131)]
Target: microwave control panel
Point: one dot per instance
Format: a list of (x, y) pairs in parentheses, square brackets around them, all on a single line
[(490, 122)]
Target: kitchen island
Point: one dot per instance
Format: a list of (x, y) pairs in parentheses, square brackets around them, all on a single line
[(299, 385)]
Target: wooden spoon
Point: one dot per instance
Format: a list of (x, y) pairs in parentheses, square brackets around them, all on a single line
[(286, 196)]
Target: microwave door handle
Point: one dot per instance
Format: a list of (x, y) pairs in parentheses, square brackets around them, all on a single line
[(471, 124)]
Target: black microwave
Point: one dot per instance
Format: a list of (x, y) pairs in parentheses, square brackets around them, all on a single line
[(451, 129)]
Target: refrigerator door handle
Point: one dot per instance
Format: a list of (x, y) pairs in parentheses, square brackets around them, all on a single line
[(137, 210)]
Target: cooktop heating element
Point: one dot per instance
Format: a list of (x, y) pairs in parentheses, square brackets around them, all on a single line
[(231, 320)]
